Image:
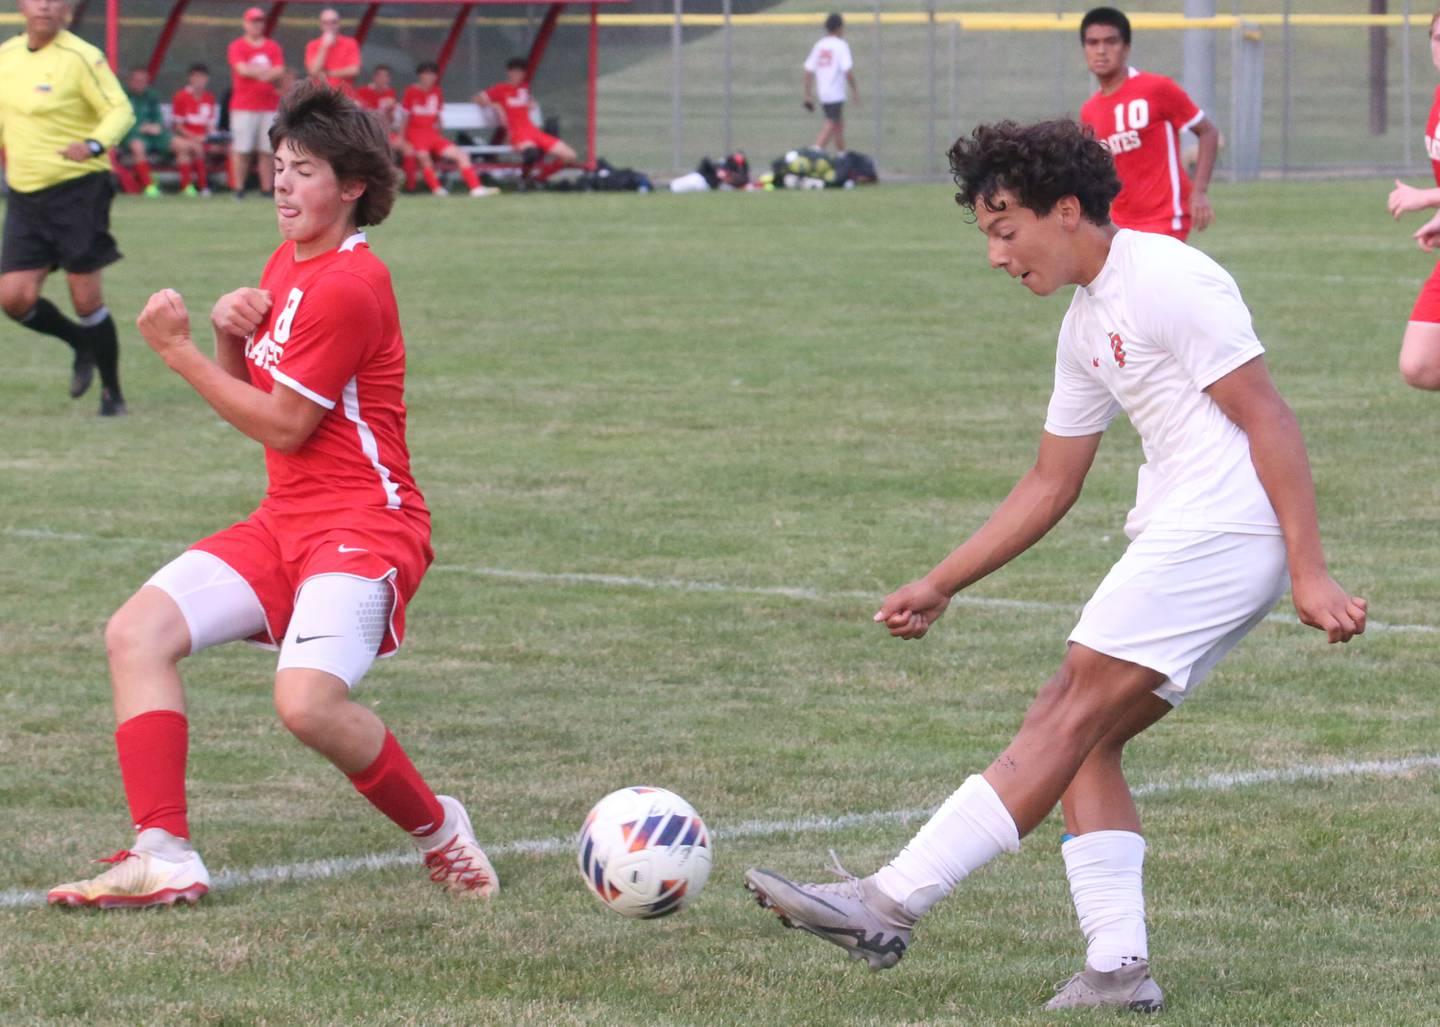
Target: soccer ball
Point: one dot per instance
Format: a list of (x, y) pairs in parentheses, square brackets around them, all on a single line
[(644, 852)]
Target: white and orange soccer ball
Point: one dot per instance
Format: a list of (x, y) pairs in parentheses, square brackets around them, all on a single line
[(644, 852)]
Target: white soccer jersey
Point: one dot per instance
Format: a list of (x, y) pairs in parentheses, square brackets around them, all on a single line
[(829, 62), (1159, 324)]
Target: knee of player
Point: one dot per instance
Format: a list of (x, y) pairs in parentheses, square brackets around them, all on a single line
[(1071, 702), (133, 632), (18, 299), (306, 715)]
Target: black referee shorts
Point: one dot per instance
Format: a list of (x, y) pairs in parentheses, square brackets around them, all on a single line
[(65, 226)]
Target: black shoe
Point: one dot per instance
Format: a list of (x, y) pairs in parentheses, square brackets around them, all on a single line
[(112, 404), (82, 373), (239, 194)]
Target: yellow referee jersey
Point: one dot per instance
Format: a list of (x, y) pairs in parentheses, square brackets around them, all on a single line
[(50, 98)]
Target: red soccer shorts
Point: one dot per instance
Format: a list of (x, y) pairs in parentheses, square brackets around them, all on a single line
[(542, 141), (428, 141), (1427, 304), (1164, 228), (276, 553)]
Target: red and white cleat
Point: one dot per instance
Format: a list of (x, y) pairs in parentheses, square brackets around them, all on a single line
[(456, 861), (140, 878)]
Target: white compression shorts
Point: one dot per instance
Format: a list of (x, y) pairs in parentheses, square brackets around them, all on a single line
[(1178, 601), (337, 627)]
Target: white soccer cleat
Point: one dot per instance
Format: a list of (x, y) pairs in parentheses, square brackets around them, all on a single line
[(439, 192), (483, 190), (456, 861), (1130, 986), (140, 877)]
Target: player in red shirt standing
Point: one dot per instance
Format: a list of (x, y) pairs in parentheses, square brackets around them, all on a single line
[(257, 64), (312, 366), (1139, 117), (511, 99), (422, 141), (195, 114), (1420, 347), (331, 57)]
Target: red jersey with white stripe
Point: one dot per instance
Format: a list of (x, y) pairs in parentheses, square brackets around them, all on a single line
[(333, 335), (422, 109), (1140, 124), (1432, 136), (516, 102), (194, 116)]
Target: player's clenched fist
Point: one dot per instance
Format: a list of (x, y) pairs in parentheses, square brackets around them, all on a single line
[(165, 323), (241, 312), (908, 612), (1322, 603)]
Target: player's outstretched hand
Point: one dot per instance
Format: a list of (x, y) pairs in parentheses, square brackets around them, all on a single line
[(1322, 603), (165, 323), (908, 612), (1403, 199), (239, 313)]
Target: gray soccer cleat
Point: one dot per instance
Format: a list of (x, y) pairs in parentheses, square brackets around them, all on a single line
[(1130, 986), (852, 913)]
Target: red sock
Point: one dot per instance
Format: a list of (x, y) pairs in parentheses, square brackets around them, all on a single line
[(411, 167), (430, 179), (142, 172), (202, 174), (152, 750), (184, 174), (395, 788), (472, 180)]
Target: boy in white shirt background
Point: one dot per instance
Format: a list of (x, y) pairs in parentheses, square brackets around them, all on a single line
[(1224, 520), (828, 70)]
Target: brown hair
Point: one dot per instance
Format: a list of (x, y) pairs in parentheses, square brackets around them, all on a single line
[(323, 122), (1039, 163)]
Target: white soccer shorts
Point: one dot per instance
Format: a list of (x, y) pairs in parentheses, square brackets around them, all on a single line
[(338, 624), (1178, 601)]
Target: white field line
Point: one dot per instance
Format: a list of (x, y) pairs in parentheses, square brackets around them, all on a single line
[(323, 869), (687, 585)]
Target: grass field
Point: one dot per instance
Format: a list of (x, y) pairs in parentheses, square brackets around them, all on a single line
[(677, 448)]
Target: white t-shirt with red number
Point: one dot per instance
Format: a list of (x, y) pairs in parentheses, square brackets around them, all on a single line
[(1140, 124), (1161, 323), (830, 62), (333, 335)]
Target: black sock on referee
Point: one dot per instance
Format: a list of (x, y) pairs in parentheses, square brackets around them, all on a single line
[(99, 336), (44, 317)]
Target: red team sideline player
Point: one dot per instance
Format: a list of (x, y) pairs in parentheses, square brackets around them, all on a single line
[(1420, 348), (195, 114), (311, 365), (1139, 117), (421, 140), (512, 99)]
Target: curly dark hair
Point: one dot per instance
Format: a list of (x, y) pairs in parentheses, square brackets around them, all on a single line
[(323, 122), (1109, 17), (1039, 163)]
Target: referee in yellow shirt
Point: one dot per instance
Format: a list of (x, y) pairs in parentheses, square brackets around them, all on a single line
[(61, 110)]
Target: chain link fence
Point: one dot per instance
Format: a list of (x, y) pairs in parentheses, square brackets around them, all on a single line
[(1342, 87)]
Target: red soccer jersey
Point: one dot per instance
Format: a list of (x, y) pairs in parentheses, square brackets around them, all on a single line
[(422, 109), (370, 98), (516, 101), (1140, 123), (343, 53), (194, 115), (1432, 136), (250, 94), (333, 335)]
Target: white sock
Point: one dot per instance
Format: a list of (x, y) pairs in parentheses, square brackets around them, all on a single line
[(969, 830), (159, 842), (1105, 871)]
